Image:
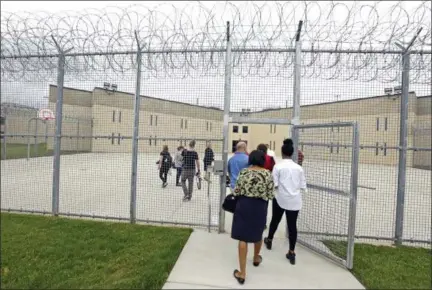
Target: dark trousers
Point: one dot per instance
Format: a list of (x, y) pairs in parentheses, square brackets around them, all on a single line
[(291, 217), (163, 174), (178, 175), (187, 175)]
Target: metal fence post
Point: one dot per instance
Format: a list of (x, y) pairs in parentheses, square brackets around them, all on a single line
[(295, 120), (296, 91), (353, 195), (403, 140), (137, 104), (58, 129), (225, 146), (28, 138), (403, 144), (46, 132), (78, 133), (36, 138), (4, 139)]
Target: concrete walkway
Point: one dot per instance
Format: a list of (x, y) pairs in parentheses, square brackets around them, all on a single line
[(209, 259)]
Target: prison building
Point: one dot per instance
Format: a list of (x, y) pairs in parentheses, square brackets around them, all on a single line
[(109, 116), (18, 119), (378, 119), (161, 122)]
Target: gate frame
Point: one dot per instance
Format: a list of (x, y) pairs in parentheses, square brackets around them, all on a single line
[(352, 212), (239, 120)]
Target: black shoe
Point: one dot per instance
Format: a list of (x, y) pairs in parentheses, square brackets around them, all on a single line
[(239, 279), (291, 257), (178, 184), (268, 243), (164, 185)]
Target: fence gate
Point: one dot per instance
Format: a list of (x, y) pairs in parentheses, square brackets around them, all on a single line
[(327, 219)]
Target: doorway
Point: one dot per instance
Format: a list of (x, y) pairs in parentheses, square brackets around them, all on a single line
[(234, 145)]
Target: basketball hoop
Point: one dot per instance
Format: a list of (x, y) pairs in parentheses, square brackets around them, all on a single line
[(46, 115)]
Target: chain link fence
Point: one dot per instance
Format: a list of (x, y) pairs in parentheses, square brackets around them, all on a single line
[(116, 112)]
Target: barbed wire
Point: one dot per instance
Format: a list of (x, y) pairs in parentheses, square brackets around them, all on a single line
[(190, 41)]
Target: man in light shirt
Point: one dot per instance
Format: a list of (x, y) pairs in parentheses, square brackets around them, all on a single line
[(290, 182), (237, 163)]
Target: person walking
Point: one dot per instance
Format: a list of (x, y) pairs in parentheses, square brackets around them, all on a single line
[(165, 163), (237, 163), (191, 167), (178, 164), (290, 182), (300, 155), (208, 160), (269, 160), (253, 190)]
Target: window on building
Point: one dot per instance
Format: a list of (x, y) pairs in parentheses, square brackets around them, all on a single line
[(211, 127), (235, 129), (118, 140), (332, 128), (207, 126), (338, 129), (156, 119), (120, 116), (113, 116), (150, 141), (274, 129), (181, 124), (331, 146), (337, 147), (245, 129), (155, 140), (385, 149), (151, 120), (385, 124), (377, 124), (112, 139), (186, 121), (271, 129), (376, 148)]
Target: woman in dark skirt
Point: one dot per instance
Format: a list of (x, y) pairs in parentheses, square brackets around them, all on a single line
[(254, 188)]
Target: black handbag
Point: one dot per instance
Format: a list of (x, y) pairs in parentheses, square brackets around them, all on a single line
[(230, 203)]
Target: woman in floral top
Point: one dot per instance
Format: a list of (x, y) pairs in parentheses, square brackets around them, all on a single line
[(254, 188)]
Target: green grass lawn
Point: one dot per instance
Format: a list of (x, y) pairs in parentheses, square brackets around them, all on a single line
[(56, 253), (16, 151), (384, 267)]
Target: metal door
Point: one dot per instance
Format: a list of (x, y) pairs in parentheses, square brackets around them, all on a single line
[(326, 222)]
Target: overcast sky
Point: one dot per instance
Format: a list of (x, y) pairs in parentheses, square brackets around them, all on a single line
[(251, 92)]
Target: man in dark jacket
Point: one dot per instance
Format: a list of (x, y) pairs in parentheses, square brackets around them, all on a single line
[(208, 159), (208, 156)]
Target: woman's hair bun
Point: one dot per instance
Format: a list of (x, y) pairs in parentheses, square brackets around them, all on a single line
[(288, 142)]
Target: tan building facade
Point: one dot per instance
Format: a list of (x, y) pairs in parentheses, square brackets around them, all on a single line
[(111, 119)]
